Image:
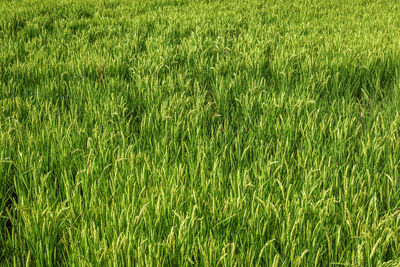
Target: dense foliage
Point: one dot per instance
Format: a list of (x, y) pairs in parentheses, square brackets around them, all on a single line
[(258, 132)]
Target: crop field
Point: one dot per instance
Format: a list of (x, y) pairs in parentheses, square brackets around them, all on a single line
[(204, 133)]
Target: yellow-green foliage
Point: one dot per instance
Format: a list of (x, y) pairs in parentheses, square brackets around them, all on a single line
[(182, 132)]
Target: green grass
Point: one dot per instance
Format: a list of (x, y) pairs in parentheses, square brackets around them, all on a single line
[(207, 133)]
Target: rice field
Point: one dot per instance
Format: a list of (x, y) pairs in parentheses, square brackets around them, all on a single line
[(199, 133)]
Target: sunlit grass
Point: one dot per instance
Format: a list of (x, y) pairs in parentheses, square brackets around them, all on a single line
[(200, 133)]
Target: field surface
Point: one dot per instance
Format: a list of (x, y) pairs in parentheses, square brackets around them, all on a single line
[(205, 133)]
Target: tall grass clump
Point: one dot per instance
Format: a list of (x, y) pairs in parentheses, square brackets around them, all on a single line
[(207, 133)]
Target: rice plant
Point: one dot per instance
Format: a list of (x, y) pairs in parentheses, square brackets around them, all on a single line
[(206, 133)]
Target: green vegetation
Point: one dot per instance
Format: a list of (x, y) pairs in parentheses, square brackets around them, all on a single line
[(182, 132)]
